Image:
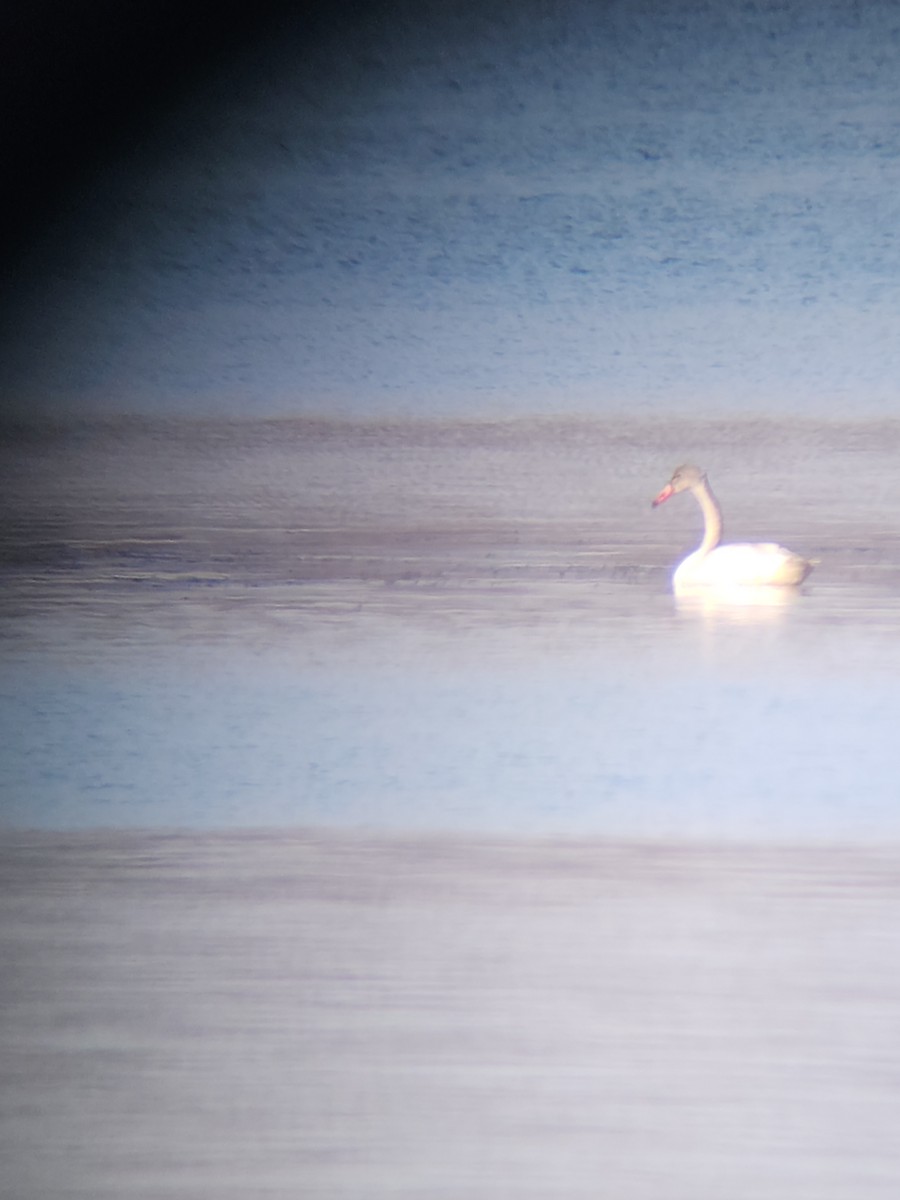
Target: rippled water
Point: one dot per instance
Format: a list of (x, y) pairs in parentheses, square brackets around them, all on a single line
[(557, 887), (455, 626), (636, 207), (495, 870)]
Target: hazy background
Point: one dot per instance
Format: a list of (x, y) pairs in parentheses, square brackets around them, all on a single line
[(420, 208)]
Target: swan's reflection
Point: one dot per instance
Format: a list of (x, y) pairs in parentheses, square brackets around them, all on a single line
[(744, 603)]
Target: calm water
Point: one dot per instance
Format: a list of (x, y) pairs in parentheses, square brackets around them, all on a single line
[(281, 1015), (498, 872), (445, 627), (495, 871)]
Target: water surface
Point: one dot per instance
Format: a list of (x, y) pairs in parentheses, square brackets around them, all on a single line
[(459, 626), (377, 823), (308, 1014)]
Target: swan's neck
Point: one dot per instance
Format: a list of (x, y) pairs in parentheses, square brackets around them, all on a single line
[(712, 518)]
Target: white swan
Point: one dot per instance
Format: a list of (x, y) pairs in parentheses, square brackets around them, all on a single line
[(741, 564)]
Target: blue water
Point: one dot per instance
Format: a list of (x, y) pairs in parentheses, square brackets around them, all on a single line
[(612, 746), (672, 219), (680, 209), (444, 628)]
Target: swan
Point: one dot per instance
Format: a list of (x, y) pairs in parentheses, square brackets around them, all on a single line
[(740, 564)]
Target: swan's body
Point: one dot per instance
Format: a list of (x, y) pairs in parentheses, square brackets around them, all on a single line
[(740, 564), (743, 564)]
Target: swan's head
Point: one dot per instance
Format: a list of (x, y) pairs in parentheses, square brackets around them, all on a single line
[(683, 480)]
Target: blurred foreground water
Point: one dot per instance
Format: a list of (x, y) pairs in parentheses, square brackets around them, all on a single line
[(498, 872), (330, 1016)]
